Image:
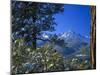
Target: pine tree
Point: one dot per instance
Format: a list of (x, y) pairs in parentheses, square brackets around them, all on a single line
[(30, 19)]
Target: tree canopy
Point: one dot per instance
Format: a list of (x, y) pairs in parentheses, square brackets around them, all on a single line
[(30, 19)]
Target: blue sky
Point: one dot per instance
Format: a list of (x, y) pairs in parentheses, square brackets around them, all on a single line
[(75, 18)]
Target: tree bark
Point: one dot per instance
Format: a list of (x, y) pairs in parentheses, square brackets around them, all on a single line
[(34, 37), (93, 36)]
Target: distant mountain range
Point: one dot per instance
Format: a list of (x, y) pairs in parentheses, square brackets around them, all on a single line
[(71, 35), (72, 45)]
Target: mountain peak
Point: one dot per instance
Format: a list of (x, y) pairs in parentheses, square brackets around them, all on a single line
[(70, 31), (45, 35)]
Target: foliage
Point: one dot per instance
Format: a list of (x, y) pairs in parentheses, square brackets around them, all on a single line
[(26, 60), (30, 19), (42, 59)]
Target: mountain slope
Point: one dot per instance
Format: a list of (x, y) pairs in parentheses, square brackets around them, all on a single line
[(72, 44)]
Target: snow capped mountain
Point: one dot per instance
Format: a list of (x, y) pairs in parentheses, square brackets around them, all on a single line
[(45, 36), (68, 34), (70, 37), (74, 37), (71, 45)]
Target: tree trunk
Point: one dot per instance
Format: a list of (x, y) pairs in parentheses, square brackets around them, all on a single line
[(34, 38), (93, 37)]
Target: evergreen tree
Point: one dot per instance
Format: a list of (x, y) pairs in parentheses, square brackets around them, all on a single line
[(30, 19)]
